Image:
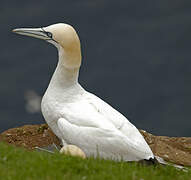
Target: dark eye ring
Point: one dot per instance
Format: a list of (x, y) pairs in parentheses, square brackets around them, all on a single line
[(49, 34)]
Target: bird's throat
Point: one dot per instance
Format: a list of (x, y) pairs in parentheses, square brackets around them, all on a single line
[(64, 76), (70, 57)]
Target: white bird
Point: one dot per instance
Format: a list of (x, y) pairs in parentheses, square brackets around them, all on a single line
[(78, 117)]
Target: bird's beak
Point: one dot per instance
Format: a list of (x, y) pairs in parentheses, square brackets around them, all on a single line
[(39, 33)]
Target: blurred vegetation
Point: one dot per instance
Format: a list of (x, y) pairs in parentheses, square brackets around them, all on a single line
[(18, 164)]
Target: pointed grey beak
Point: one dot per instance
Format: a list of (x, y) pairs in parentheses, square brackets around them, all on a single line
[(39, 33)]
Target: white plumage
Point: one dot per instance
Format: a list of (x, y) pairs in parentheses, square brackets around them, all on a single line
[(78, 117)]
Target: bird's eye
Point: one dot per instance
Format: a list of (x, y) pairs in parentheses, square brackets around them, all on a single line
[(49, 34)]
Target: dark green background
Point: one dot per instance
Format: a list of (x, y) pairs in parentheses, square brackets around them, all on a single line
[(136, 56)]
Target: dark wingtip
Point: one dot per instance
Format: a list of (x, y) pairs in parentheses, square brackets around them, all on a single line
[(151, 161)]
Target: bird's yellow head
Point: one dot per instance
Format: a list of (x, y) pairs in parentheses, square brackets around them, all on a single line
[(63, 36)]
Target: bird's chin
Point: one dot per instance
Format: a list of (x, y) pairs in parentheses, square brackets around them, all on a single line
[(53, 42)]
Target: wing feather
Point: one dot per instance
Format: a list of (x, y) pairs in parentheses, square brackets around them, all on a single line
[(87, 127), (108, 144)]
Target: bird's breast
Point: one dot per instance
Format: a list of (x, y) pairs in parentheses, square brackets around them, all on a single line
[(51, 109)]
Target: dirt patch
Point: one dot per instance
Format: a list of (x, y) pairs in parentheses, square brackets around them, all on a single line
[(30, 136), (173, 149)]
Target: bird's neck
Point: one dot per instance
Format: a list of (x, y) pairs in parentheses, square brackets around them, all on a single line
[(64, 77)]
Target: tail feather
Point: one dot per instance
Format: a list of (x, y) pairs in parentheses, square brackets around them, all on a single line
[(158, 160), (151, 161)]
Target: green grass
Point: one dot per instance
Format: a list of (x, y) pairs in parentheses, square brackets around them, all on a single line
[(19, 164)]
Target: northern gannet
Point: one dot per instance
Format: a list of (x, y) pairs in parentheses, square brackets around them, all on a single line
[(78, 117)]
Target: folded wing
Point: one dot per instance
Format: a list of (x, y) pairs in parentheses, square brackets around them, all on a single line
[(84, 125)]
